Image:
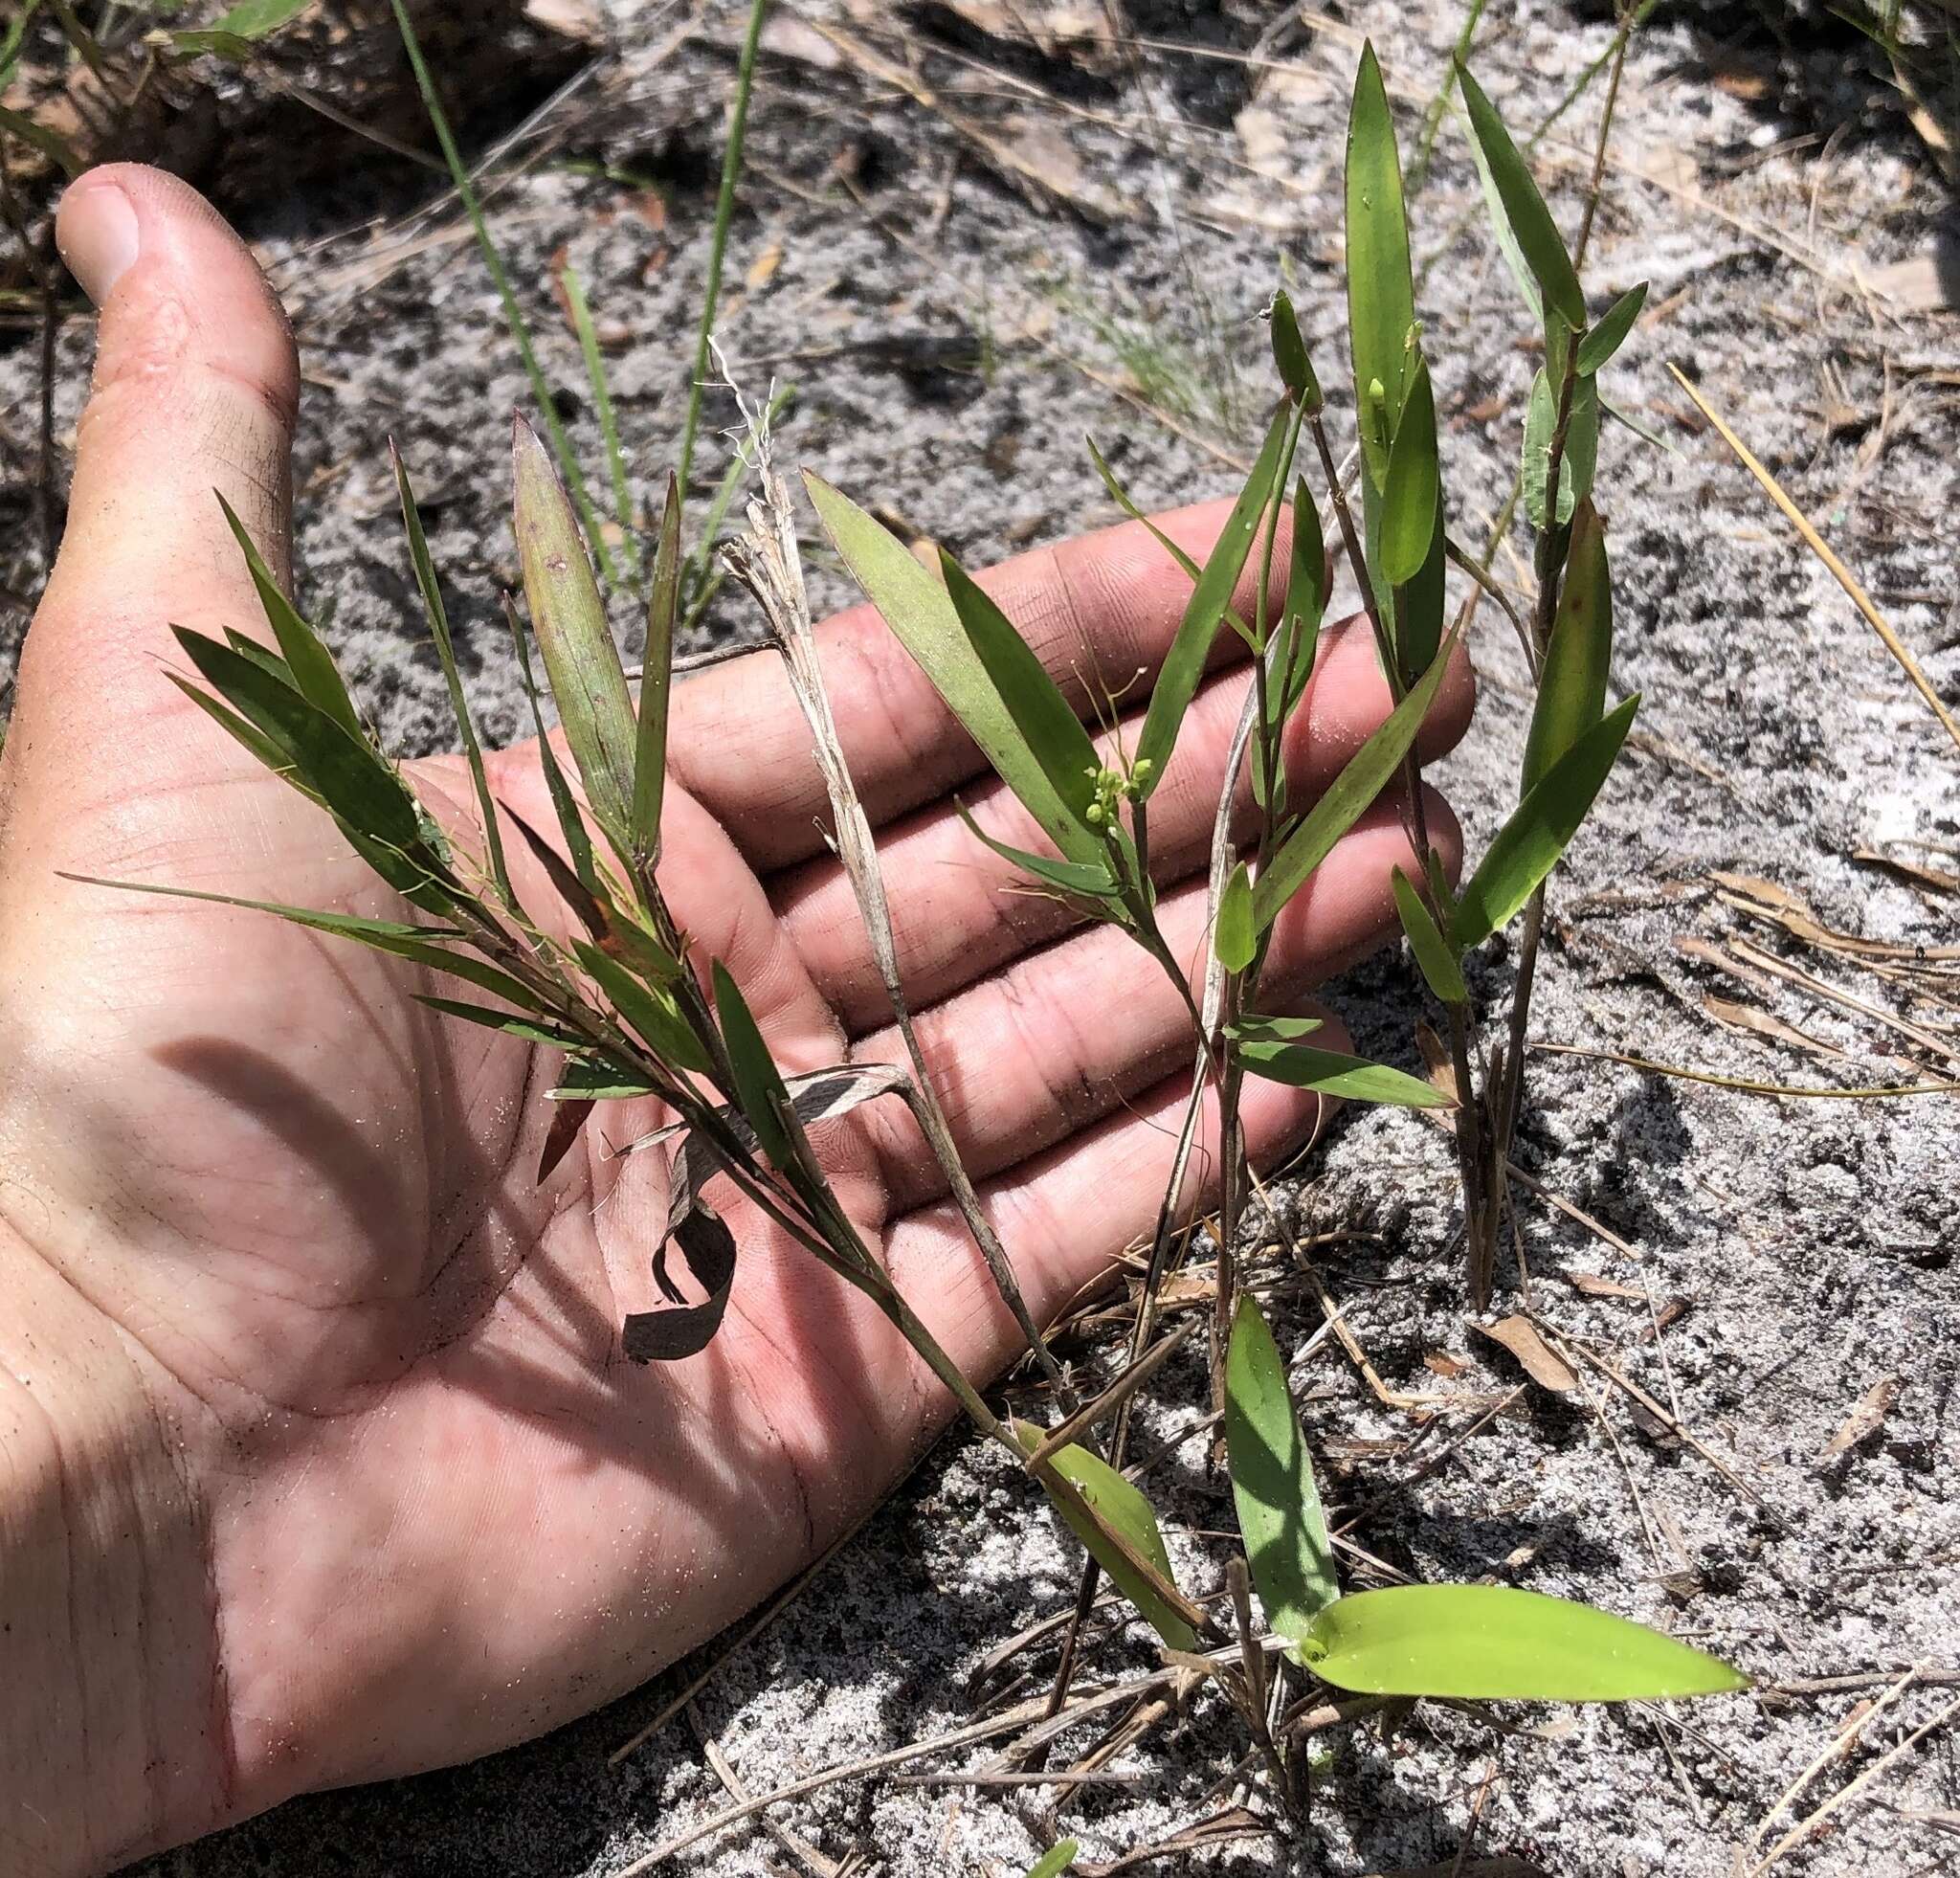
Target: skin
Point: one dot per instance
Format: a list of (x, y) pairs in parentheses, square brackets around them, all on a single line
[(318, 1460)]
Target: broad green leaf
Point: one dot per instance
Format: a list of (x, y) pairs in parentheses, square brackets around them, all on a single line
[(1494, 1643), (1055, 1860), (1438, 965), (1348, 798), (655, 684), (312, 668), (1515, 264), (650, 1011), (1290, 355), (588, 681), (338, 765), (1184, 664), (530, 1030), (1120, 1507), (1529, 845), (571, 823), (262, 655), (1087, 880), (1419, 614), (1257, 1026), (1381, 294), (920, 612), (1234, 942), (1050, 730), (445, 651), (246, 732), (1572, 687), (1611, 333), (758, 1082), (1529, 220), (1415, 484), (1331, 1072), (1280, 1516)]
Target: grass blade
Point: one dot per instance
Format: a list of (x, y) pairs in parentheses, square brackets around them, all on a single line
[(1280, 1516), (1051, 733), (1524, 213), (608, 420), (588, 681), (312, 668), (528, 1030), (1085, 880), (571, 823), (445, 651), (1495, 1643), (1334, 1073), (1233, 939), (1381, 294), (1413, 492), (1368, 772), (1184, 664), (1611, 333), (1438, 965), (921, 614), (1119, 1510), (1572, 687), (1529, 845), (652, 1012), (758, 1083), (656, 687), (1290, 356)]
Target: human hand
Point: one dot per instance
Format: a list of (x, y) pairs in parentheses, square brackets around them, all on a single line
[(318, 1459)]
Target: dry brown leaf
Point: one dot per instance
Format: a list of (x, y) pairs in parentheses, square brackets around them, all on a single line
[(1440, 1362), (1753, 886), (1520, 1336), (762, 269), (1865, 1419), (1590, 1285), (1726, 1011)]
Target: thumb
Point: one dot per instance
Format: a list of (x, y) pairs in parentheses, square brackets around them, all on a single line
[(194, 389)]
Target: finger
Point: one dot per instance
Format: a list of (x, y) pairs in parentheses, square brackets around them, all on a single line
[(1104, 608), (1064, 1037), (194, 389), (960, 911), (1065, 1215)]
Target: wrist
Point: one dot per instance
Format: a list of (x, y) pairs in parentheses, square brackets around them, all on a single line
[(112, 1724)]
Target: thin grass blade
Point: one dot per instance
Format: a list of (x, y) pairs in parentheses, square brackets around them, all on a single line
[(656, 685), (1571, 685), (1438, 964), (1415, 486), (1524, 213), (758, 1083), (571, 823), (1611, 331)]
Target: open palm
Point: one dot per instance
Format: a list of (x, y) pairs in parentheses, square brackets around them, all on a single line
[(441, 1510)]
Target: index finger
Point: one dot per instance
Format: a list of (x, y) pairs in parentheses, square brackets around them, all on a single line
[(1100, 611)]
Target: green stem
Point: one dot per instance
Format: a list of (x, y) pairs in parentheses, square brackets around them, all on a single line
[(724, 213)]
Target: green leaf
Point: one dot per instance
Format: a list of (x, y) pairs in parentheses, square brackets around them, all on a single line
[(1581, 455), (1120, 1507), (311, 667), (571, 823), (247, 733), (1184, 664), (1234, 942), (1529, 845), (1050, 730), (1438, 965), (656, 685), (1280, 1516), (582, 663), (651, 1011), (1290, 652), (1367, 773), (758, 1083), (1055, 1860), (1494, 1643), (919, 611), (1541, 421), (602, 403), (445, 651), (337, 765), (1524, 211), (1256, 1026), (1124, 500), (1611, 333), (1415, 484), (1290, 355), (1331, 1072), (597, 1077), (1086, 880), (1572, 687), (530, 1030), (1418, 611), (1381, 294), (254, 19)]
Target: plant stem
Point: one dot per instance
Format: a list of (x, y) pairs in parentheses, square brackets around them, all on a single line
[(724, 213)]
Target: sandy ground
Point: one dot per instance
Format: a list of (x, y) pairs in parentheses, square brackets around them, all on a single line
[(953, 335)]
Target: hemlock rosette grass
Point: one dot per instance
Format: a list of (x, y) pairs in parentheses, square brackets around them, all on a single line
[(636, 1016)]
